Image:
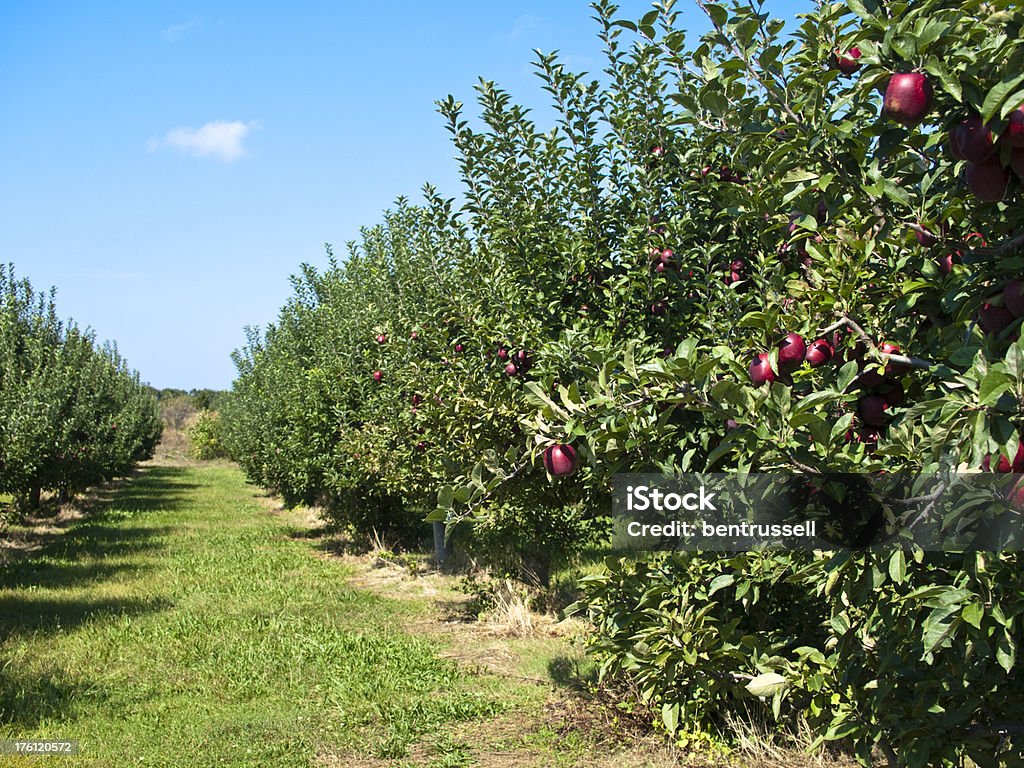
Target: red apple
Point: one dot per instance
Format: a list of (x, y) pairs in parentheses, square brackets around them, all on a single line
[(974, 139), (892, 369), (945, 264), (1004, 464), (792, 350), (988, 180), (416, 399), (847, 62), (908, 98), (511, 370), (658, 151), (414, 335), (925, 236), (503, 354), (994, 319), (761, 370), (1013, 136), (872, 409), (1017, 162), (869, 379), (459, 348), (378, 376), (818, 353), (560, 460), (382, 339), (1013, 297), (954, 146), (893, 393)]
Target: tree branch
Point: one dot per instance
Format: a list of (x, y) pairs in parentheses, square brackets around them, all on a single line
[(913, 362)]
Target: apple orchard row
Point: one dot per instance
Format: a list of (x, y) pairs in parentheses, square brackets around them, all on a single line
[(768, 247)]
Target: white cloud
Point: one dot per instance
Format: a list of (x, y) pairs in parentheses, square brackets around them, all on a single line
[(220, 139), (523, 24), (174, 32)]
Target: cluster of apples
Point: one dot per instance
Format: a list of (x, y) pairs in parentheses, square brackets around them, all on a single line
[(516, 363), (909, 97), (793, 351), (988, 174), (1002, 309)]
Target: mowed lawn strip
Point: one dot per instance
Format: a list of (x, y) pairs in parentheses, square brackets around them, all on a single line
[(186, 625)]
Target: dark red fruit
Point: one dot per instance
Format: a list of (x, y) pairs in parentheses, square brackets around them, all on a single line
[(761, 370), (511, 370), (873, 410), (908, 98), (818, 353), (792, 350), (1013, 136), (1004, 464), (870, 379), (416, 399), (893, 393), (925, 237), (382, 339), (460, 348), (378, 376), (1017, 162), (1016, 495), (892, 369), (560, 460), (847, 62), (945, 264), (1013, 297), (994, 319), (414, 335), (987, 180), (503, 354), (974, 140), (954, 146), (658, 151)]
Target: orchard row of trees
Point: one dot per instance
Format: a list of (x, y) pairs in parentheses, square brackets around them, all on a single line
[(71, 413), (762, 249)]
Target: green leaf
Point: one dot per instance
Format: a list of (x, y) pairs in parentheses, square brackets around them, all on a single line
[(445, 497), (898, 567), (995, 98), (721, 582), (992, 386), (767, 684), (847, 374), (1006, 652), (670, 716), (719, 16)]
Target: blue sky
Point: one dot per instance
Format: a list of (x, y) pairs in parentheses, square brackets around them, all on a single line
[(167, 166)]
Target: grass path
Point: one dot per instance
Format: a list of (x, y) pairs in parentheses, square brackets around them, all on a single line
[(185, 624)]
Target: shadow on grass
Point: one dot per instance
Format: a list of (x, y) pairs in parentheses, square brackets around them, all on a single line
[(28, 698), (36, 596), (573, 673)]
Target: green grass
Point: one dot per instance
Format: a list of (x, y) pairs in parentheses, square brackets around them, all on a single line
[(185, 625)]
